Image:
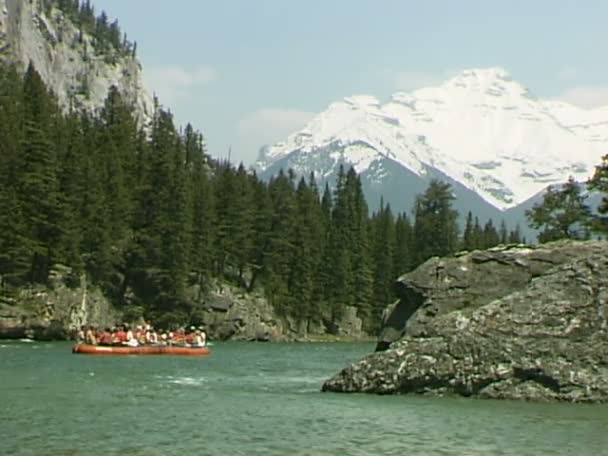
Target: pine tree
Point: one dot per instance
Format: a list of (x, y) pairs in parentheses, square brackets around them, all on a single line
[(202, 205), (281, 248), (262, 225), (14, 254), (360, 247), (340, 260), (384, 248), (478, 237), (562, 214), (503, 233), (324, 282), (37, 184), (515, 235), (435, 225), (599, 183), (490, 235), (302, 263), (467, 237), (404, 257)]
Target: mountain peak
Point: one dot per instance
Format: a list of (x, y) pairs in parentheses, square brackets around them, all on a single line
[(480, 128), (494, 81), (485, 74)]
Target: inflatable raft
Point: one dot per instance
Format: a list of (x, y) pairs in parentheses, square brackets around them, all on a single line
[(86, 349)]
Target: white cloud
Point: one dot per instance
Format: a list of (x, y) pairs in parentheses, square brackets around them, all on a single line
[(172, 83), (586, 97), (267, 126)]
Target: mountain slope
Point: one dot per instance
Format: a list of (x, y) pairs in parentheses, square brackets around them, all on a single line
[(69, 59), (481, 130)]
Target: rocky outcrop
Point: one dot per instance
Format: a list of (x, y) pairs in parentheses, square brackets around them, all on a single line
[(231, 314), (66, 59), (56, 311), (509, 323)]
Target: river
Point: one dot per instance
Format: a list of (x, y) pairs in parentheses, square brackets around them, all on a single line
[(258, 399)]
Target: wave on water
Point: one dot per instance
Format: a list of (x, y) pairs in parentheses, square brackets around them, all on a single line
[(187, 381)]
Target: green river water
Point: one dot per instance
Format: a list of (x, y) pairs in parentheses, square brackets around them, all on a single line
[(257, 399)]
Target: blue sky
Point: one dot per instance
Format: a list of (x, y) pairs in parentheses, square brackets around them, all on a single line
[(249, 72)]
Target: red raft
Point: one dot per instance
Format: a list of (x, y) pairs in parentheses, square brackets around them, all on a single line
[(86, 349)]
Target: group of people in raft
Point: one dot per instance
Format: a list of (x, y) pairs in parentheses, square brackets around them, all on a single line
[(123, 335)]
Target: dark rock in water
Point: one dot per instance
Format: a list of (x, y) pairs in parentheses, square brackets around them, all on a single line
[(509, 323)]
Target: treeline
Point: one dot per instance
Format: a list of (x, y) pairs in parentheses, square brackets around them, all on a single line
[(150, 218), (106, 35)]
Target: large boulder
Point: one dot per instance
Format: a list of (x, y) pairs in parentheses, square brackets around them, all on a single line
[(518, 323)]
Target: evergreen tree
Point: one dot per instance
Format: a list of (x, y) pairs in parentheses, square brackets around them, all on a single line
[(37, 184), (435, 225), (202, 206), (562, 214), (404, 257), (384, 248), (324, 282), (503, 233), (262, 225), (490, 235), (515, 235), (340, 259), (478, 238), (599, 183), (360, 247), (14, 255), (281, 248), (468, 241), (303, 262)]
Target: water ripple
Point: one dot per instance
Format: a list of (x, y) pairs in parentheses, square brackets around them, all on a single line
[(258, 399)]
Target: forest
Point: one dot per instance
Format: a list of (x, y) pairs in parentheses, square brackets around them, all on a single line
[(146, 214)]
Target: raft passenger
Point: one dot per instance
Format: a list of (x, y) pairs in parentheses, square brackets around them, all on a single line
[(89, 336)]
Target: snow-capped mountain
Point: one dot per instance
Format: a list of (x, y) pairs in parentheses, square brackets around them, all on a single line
[(481, 130)]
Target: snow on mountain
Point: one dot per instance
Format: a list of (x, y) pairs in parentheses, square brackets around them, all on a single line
[(480, 128)]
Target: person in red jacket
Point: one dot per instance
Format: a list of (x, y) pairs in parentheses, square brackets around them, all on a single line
[(105, 338), (120, 337)]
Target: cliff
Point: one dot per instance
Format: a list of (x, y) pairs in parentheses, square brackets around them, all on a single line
[(509, 323), (68, 58), (55, 311)]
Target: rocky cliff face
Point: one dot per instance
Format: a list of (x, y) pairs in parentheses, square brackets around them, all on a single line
[(228, 313), (56, 311), (66, 59), (514, 323)]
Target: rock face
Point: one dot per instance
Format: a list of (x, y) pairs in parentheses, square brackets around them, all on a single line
[(66, 60), (54, 312), (509, 323), (231, 314)]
